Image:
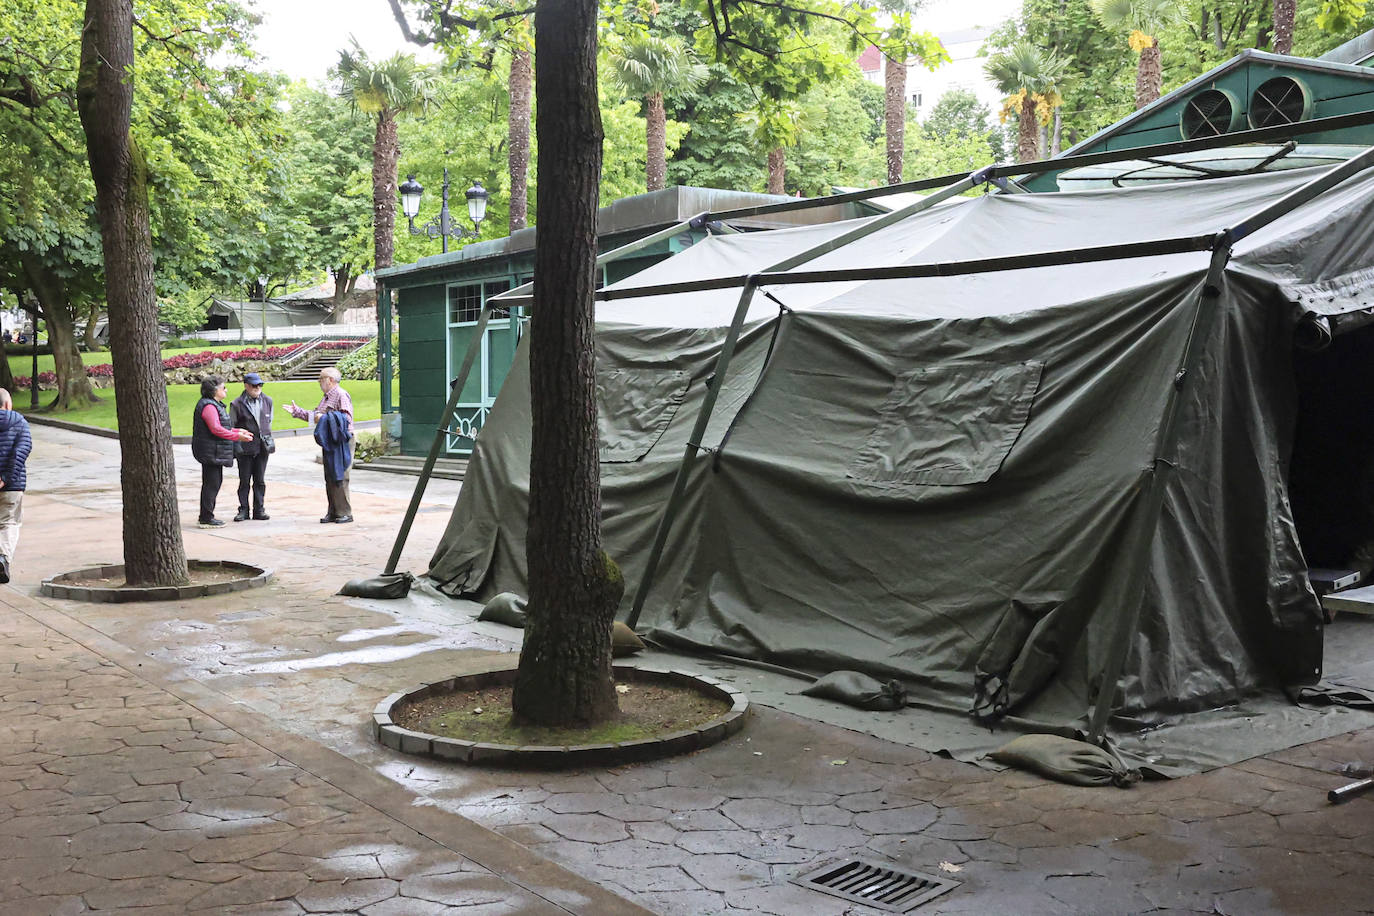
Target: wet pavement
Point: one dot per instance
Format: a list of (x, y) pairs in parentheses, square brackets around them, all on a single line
[(216, 753)]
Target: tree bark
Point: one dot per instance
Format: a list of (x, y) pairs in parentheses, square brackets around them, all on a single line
[(518, 136), (343, 285), (565, 665), (1149, 76), (655, 143), (777, 171), (74, 388), (1056, 138), (1027, 131), (153, 551), (894, 115), (1285, 14), (92, 325), (386, 151)]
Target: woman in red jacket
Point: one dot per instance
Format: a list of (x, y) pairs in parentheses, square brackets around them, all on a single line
[(212, 444)]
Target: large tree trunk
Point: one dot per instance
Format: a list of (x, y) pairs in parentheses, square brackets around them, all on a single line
[(386, 150), (565, 664), (1285, 14), (655, 143), (1149, 76), (894, 114), (777, 171), (1027, 130), (343, 284), (92, 327), (153, 551), (518, 136), (74, 388)]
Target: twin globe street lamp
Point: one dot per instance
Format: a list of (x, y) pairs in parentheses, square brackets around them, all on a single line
[(444, 226)]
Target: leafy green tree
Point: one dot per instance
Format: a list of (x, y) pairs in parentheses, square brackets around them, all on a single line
[(719, 150), (1030, 77), (650, 67), (958, 115), (1143, 19), (326, 163), (839, 137), (387, 90)]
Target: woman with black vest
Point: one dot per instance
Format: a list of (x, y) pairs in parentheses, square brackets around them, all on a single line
[(212, 444)]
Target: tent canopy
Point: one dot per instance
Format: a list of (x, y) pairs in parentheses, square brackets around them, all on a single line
[(978, 483)]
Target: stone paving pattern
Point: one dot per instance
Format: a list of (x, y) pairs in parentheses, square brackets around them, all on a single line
[(115, 794), (719, 831)]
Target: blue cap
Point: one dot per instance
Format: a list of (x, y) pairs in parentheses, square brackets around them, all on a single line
[(252, 378)]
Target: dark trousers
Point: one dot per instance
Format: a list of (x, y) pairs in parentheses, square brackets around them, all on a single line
[(337, 490), (211, 476), (253, 471)]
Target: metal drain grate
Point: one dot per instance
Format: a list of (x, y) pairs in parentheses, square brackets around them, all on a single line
[(873, 884)]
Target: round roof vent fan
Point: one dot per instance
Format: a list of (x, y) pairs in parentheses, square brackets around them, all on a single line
[(1209, 113), (1281, 100)]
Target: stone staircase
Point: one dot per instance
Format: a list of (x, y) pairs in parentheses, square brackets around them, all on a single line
[(309, 369), (444, 468)]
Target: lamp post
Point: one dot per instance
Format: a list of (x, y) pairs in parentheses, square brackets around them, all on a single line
[(443, 226), (262, 284)]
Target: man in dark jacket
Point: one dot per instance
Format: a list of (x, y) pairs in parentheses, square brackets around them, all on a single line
[(15, 445), (252, 411)]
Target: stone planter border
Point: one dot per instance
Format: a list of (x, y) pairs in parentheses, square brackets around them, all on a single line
[(547, 758), (68, 585)]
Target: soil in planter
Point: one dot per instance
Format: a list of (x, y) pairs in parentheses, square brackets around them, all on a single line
[(647, 710), (212, 576)]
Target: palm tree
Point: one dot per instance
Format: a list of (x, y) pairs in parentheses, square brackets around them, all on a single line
[(385, 89), (1145, 19), (649, 67), (1285, 17), (894, 115), (1029, 76)]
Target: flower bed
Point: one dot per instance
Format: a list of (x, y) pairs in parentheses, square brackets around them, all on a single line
[(48, 380)]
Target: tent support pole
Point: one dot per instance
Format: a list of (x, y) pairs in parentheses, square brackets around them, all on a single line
[(455, 392), (665, 521), (1129, 593)]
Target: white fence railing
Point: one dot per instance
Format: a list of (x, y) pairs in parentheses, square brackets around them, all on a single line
[(252, 336)]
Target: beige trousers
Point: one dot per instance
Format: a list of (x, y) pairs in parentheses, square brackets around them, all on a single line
[(11, 519)]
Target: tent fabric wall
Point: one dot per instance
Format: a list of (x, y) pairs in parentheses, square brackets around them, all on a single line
[(990, 595)]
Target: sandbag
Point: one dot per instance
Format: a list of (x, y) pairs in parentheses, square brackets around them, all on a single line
[(858, 690), (624, 641), (1066, 760), (394, 585), (507, 608)]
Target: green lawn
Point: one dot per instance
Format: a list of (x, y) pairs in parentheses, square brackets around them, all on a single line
[(181, 399)]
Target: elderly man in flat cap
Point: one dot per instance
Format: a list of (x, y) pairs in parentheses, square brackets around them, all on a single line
[(252, 411)]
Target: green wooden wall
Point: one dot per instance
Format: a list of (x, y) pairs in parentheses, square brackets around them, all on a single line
[(422, 336), (1332, 93)]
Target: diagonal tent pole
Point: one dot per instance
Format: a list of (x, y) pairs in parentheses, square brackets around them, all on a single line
[(455, 392), (727, 352), (1129, 592)]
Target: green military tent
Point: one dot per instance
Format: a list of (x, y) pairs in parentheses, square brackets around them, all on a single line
[(1005, 448)]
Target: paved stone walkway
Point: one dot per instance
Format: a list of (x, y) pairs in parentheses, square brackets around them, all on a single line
[(291, 671)]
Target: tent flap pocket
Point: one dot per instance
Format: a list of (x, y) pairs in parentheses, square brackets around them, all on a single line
[(948, 425), (634, 407)]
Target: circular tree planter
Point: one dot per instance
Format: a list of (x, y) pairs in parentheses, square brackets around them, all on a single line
[(90, 584), (540, 757)]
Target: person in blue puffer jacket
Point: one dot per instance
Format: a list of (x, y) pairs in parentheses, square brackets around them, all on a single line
[(15, 445)]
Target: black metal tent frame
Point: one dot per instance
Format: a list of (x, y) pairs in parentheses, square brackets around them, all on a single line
[(1127, 594)]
